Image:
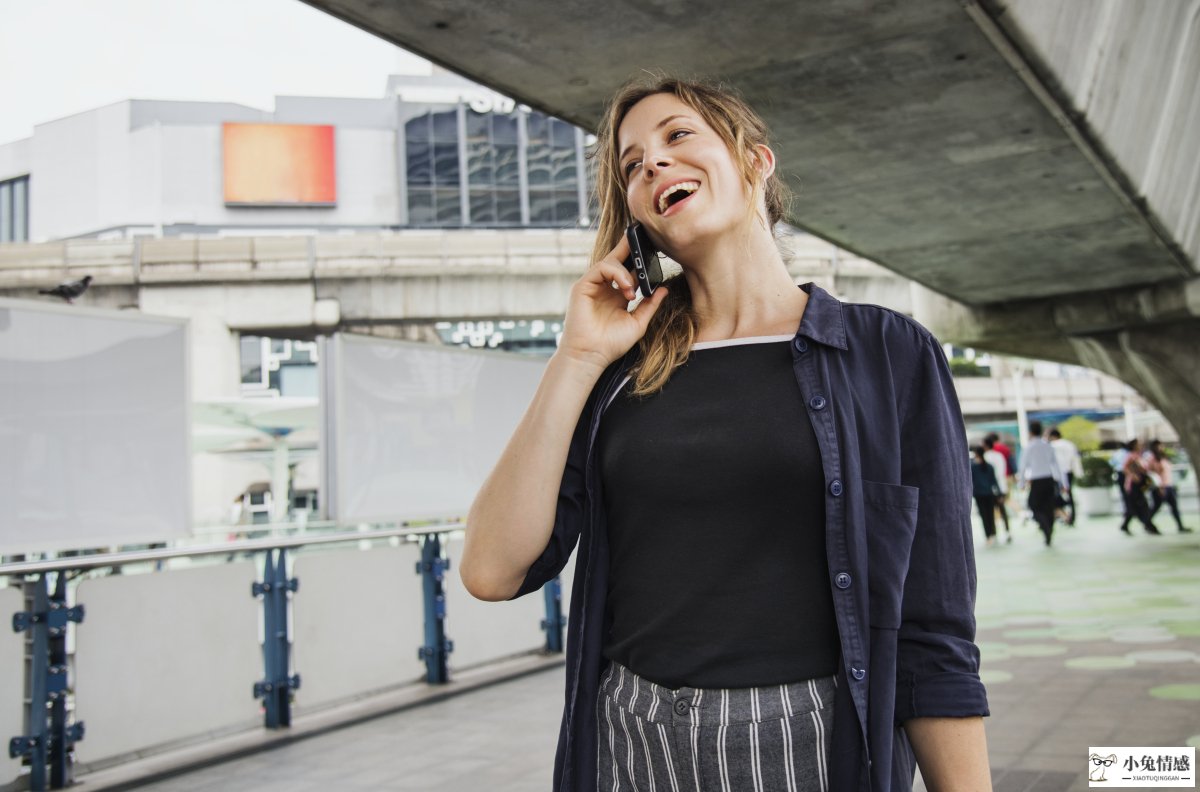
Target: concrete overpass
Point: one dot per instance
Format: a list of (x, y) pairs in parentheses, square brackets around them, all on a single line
[(399, 285), (1035, 166), (393, 284)]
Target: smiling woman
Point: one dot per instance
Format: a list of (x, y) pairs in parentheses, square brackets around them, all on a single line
[(768, 490), (688, 120)]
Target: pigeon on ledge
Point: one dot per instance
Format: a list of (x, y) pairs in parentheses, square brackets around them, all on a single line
[(69, 290)]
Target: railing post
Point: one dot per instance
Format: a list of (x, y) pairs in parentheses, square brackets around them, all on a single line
[(554, 622), (276, 688), (48, 743), (436, 651)]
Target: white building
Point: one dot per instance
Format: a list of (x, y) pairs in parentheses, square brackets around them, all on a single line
[(434, 152)]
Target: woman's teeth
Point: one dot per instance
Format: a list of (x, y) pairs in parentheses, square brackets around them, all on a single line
[(664, 199)]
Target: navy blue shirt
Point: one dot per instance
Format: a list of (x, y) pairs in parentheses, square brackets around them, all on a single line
[(880, 398), (983, 479)]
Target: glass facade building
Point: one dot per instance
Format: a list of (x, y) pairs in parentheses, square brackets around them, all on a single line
[(494, 169)]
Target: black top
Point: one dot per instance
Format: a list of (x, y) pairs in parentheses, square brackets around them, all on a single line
[(983, 479), (715, 495)]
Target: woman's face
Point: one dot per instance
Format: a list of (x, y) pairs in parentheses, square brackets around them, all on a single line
[(681, 181)]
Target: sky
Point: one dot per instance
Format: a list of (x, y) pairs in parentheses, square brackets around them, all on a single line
[(60, 57)]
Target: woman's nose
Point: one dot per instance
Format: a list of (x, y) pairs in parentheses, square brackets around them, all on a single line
[(654, 163)]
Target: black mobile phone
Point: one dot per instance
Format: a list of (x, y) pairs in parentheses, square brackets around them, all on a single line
[(643, 259)]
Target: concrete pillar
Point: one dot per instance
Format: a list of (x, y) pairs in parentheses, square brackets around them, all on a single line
[(281, 490), (1018, 376)]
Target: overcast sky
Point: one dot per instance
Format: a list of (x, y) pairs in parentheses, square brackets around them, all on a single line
[(60, 57)]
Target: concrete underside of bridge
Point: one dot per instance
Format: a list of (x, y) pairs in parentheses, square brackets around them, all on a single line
[(931, 136)]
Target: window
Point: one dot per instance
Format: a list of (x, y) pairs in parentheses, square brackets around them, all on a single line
[(431, 144), (278, 366), (553, 175), (490, 155), (493, 169), (14, 210)]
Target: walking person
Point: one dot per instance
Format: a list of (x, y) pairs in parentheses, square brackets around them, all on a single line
[(762, 598), (993, 441), (1117, 462), (1000, 466), (1040, 471), (985, 489), (1136, 483), (1162, 473), (1071, 465)]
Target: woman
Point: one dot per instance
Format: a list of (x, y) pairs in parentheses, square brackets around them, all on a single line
[(1162, 473), (1136, 482), (999, 465), (775, 581), (986, 491)]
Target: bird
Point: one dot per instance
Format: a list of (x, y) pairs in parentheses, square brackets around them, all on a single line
[(69, 290)]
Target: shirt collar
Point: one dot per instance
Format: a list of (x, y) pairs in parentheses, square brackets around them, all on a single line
[(822, 320)]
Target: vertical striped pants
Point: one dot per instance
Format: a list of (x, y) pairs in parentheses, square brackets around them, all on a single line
[(652, 739)]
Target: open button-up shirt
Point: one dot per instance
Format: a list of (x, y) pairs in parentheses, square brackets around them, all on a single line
[(898, 539)]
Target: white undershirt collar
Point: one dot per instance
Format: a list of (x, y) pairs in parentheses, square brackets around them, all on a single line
[(739, 341)]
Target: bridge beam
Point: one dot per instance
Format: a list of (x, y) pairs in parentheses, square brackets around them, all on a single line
[(1144, 337)]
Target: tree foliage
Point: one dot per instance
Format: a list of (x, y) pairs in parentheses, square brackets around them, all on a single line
[(1083, 433)]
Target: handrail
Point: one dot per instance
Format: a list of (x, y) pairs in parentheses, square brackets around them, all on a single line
[(134, 556)]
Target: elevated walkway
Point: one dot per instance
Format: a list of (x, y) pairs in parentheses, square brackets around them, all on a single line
[(315, 283)]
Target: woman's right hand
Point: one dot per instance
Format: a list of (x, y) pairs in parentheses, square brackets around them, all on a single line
[(599, 327)]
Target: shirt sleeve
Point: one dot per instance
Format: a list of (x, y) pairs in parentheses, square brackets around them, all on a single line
[(938, 661), (569, 515), (1056, 470)]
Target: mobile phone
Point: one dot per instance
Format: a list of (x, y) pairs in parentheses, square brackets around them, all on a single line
[(643, 259)]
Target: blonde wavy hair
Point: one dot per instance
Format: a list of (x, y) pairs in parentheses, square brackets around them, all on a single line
[(668, 339)]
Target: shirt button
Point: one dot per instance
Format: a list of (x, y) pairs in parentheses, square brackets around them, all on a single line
[(858, 673), (817, 402), (682, 707), (801, 345), (842, 580), (835, 488)]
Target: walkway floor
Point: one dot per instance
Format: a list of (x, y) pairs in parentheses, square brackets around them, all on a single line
[(1093, 642)]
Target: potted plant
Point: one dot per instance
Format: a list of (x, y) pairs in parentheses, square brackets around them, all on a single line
[(1093, 490)]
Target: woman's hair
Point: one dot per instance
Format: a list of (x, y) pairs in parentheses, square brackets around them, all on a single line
[(668, 339)]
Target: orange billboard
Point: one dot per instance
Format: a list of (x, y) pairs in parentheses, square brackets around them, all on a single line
[(279, 165)]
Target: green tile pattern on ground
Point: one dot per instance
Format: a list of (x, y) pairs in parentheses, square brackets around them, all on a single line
[(1093, 641)]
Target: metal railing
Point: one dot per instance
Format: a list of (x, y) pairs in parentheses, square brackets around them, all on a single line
[(48, 742)]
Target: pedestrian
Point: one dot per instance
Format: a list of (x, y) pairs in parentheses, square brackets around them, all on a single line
[(1010, 469), (1136, 483), (1000, 466), (1040, 471), (1162, 474), (985, 489), (1071, 464), (768, 489), (1117, 462)]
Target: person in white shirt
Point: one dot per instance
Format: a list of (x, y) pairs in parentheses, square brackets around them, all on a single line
[(1070, 463), (1040, 471), (1000, 466)]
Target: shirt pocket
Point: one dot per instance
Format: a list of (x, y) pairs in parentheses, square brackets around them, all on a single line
[(891, 523)]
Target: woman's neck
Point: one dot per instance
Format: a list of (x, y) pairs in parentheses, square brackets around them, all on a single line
[(741, 287)]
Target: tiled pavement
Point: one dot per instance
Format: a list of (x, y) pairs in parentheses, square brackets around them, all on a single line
[(1095, 641)]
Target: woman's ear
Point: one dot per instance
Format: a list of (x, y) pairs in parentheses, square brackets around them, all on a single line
[(764, 160)]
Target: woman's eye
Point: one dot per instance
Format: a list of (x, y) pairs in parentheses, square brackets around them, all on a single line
[(678, 133), (630, 166)]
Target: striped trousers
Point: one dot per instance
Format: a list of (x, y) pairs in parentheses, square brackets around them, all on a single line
[(652, 739)]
